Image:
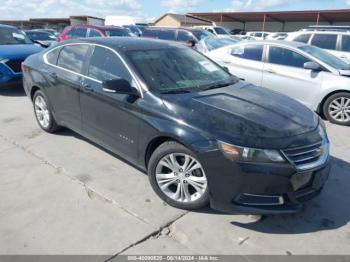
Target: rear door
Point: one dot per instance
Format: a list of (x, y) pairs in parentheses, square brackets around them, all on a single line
[(284, 72), (245, 61), (110, 119), (344, 48), (66, 78)]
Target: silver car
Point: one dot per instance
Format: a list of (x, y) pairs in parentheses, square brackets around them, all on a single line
[(306, 73)]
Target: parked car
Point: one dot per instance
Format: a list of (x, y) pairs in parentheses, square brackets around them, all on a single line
[(218, 31), (202, 135), (14, 48), (82, 31), (209, 44), (188, 36), (258, 35), (51, 31), (277, 36), (335, 42), (306, 73), (134, 29), (42, 37)]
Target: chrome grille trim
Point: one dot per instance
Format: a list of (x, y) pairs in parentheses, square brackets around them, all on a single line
[(308, 157)]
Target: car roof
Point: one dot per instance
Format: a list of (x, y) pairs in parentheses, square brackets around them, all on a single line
[(334, 32), (276, 42), (100, 27), (7, 26), (124, 44)]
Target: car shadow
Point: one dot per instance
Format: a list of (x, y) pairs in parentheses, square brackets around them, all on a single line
[(68, 132), (15, 91), (330, 210)]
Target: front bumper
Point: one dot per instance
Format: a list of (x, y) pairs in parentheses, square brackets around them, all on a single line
[(8, 78), (252, 188)]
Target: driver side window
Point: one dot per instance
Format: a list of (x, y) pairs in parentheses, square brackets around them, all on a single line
[(286, 57), (106, 65)]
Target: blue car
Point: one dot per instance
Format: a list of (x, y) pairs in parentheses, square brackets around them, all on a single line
[(15, 47)]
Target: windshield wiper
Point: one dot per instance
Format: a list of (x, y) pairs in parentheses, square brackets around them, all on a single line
[(215, 86), (176, 91)]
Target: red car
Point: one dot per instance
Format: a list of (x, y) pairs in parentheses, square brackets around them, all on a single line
[(82, 31)]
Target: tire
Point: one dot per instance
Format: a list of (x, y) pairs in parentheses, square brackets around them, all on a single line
[(194, 193), (337, 108), (43, 114)]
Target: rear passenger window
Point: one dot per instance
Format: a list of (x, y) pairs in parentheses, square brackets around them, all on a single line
[(326, 41), (106, 65), (52, 56), (73, 57), (167, 35), (77, 33), (286, 57), (184, 36), (345, 43), (94, 33), (303, 38), (250, 52)]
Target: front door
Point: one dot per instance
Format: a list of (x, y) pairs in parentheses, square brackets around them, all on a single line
[(110, 119), (284, 72)]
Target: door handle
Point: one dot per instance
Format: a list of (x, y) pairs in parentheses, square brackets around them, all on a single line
[(271, 71)]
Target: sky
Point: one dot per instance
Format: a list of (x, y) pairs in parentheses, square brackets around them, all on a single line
[(151, 9)]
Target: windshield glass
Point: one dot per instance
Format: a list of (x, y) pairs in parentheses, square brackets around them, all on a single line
[(200, 34), (118, 32), (215, 43), (325, 57), (221, 31), (41, 36), (177, 69), (12, 36)]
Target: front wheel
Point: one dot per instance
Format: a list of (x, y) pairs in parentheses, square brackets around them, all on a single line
[(178, 177), (337, 108)]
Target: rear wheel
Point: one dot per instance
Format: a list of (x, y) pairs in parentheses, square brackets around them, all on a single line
[(43, 113), (337, 108), (178, 177)]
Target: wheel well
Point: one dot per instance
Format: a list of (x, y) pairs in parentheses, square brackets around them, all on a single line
[(320, 106), (32, 91), (154, 144)]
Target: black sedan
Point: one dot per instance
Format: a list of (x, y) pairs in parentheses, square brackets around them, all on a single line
[(203, 135)]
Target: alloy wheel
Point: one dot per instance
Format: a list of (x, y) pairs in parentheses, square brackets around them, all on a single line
[(42, 112), (181, 177), (339, 109)]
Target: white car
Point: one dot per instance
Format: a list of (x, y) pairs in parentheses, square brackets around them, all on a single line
[(258, 35), (336, 42), (218, 31), (306, 73)]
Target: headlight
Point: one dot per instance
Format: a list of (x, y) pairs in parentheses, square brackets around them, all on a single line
[(246, 154)]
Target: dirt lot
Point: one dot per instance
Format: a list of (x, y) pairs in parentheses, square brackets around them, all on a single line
[(61, 194)]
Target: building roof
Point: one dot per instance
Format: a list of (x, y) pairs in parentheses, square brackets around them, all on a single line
[(330, 16), (186, 19)]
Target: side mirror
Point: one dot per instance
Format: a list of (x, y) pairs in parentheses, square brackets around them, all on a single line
[(312, 66), (191, 43), (120, 86)]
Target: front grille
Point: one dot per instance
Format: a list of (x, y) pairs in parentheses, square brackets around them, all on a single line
[(14, 65), (305, 157)]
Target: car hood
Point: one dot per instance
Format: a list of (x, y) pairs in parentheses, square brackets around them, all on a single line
[(240, 112), (18, 51)]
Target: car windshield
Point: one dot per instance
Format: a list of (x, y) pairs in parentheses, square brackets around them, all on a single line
[(118, 32), (221, 31), (12, 36), (325, 57), (175, 69), (213, 43), (41, 36), (200, 34)]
